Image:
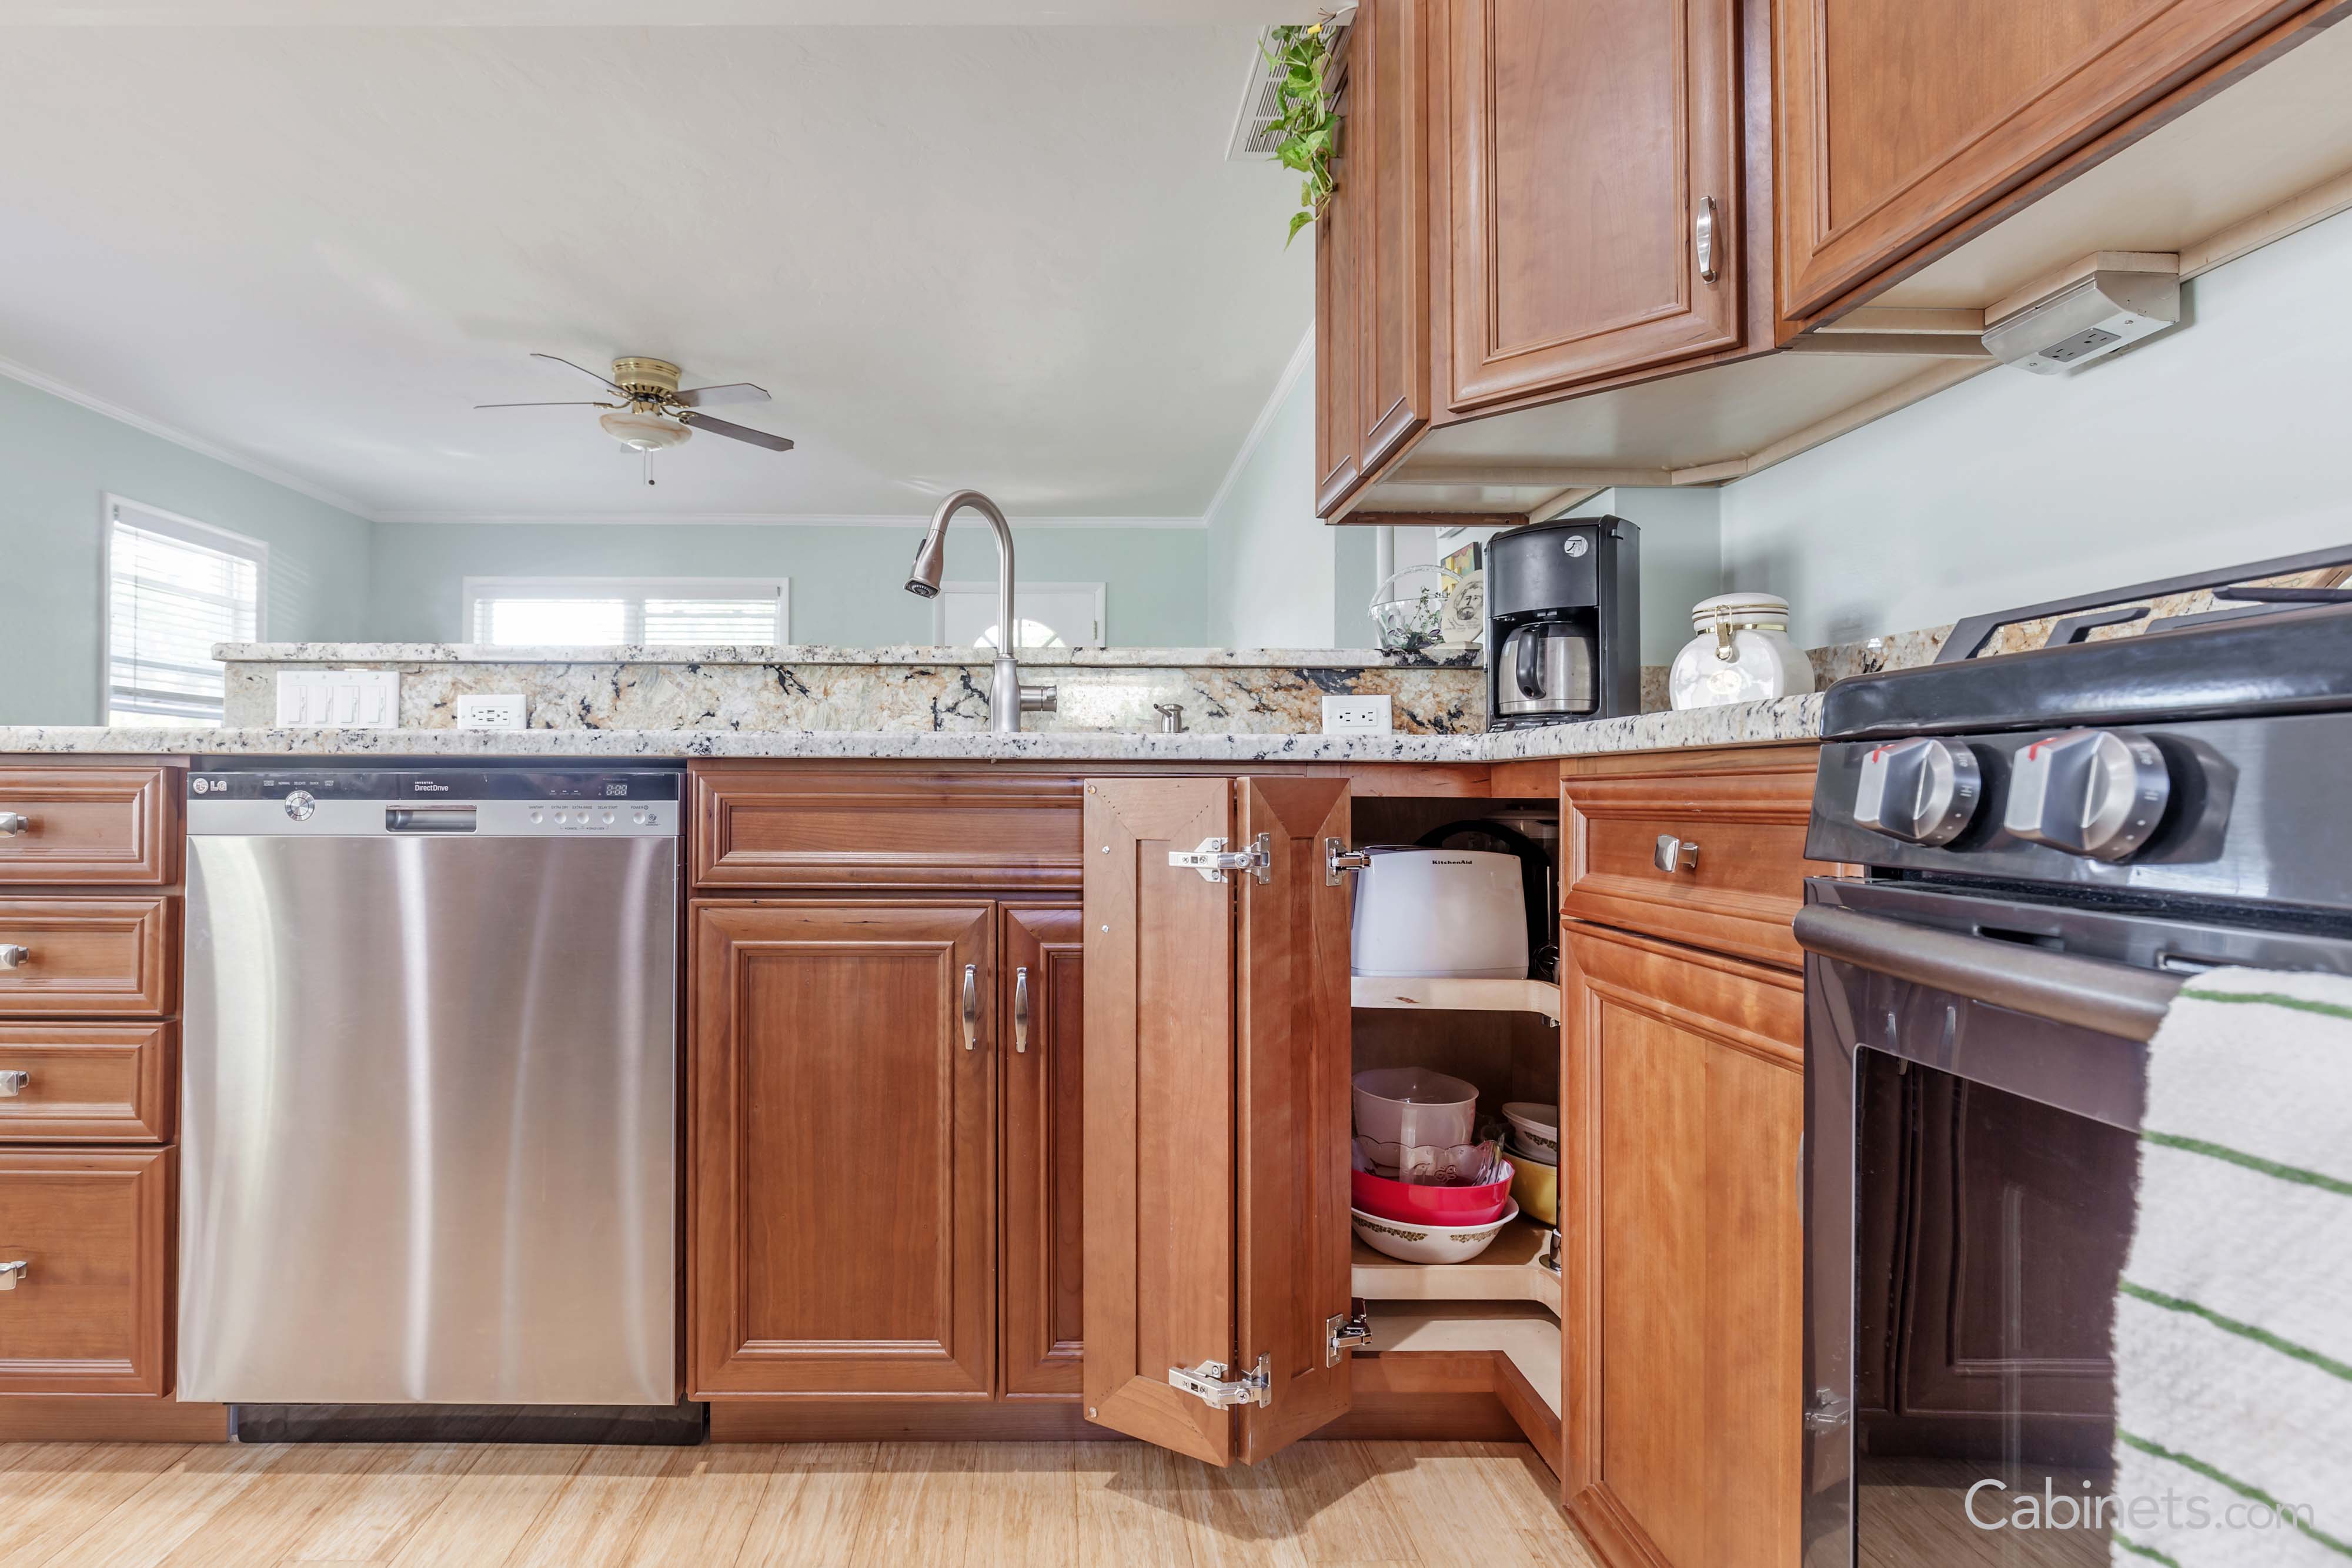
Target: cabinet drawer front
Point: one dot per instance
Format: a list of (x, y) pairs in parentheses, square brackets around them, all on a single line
[(87, 1082), (83, 825), (880, 830), (93, 1232), (1739, 894), (89, 957)]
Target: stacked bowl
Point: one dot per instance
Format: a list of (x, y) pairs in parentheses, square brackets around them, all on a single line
[(1421, 1190), (1534, 1159)]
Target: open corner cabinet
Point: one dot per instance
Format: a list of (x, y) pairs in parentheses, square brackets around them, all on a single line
[(1217, 1111)]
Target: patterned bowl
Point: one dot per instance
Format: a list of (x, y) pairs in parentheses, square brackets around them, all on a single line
[(1412, 1241)]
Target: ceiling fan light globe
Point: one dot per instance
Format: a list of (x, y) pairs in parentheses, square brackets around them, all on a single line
[(644, 432)]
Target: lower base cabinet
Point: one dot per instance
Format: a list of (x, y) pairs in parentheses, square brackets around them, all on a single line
[(1682, 1116), (86, 1312)]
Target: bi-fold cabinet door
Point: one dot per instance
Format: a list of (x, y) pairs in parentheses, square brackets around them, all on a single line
[(1216, 1054)]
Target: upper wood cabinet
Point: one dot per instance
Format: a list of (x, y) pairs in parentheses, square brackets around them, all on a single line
[(1217, 1111), (1898, 122), (1041, 1023), (1593, 190), (1682, 1108), (841, 1128), (1372, 252)]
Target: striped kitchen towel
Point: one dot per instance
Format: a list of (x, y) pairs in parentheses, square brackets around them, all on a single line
[(2233, 1322)]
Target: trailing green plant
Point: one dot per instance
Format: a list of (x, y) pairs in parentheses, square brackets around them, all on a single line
[(1307, 129)]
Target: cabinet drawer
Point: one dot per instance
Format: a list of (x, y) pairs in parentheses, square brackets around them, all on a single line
[(776, 828), (84, 825), (1738, 894), (93, 1231), (89, 957), (87, 1082)]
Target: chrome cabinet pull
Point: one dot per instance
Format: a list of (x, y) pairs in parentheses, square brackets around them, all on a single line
[(971, 1006), (14, 956), (1673, 854), (1021, 1010), (1703, 240), (12, 1274), (13, 822), (13, 1082)]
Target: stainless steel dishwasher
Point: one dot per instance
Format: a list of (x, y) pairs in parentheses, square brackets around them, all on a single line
[(428, 1150)]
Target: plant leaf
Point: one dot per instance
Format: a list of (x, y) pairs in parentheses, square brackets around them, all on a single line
[(1298, 221)]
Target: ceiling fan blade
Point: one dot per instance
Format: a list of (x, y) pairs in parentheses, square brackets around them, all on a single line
[(735, 431), (575, 404), (713, 397), (591, 375)]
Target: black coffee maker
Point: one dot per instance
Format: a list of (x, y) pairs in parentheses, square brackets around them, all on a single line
[(1563, 622)]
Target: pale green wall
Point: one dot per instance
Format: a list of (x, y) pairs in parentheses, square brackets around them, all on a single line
[(847, 581), (1272, 564), (57, 460)]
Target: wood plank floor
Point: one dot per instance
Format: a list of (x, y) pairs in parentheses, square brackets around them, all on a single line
[(106, 1505)]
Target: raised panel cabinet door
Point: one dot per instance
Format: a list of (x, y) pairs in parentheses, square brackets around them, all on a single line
[(1040, 1027), (1391, 114), (1682, 1108), (1216, 1113), (1897, 122), (841, 1131), (1339, 306), (1594, 158), (93, 1231)]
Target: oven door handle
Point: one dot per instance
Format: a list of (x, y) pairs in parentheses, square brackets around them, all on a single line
[(2089, 993)]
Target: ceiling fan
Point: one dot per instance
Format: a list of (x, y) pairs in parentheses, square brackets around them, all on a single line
[(653, 414)]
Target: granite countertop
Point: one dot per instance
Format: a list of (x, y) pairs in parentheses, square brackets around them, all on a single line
[(1746, 724), (815, 654)]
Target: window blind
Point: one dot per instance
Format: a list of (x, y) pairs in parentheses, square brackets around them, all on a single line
[(511, 613), (173, 589)]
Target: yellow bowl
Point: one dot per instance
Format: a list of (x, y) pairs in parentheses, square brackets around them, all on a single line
[(1535, 1189)]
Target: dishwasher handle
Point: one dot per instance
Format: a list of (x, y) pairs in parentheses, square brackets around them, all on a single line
[(428, 819)]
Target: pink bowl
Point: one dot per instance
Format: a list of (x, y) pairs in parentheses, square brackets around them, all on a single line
[(1389, 1199)]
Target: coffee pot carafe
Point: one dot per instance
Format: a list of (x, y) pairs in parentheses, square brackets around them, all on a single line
[(1563, 622)]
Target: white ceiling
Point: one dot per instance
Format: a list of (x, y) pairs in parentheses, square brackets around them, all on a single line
[(1007, 256)]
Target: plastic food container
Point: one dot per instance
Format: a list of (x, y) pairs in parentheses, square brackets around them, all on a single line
[(1414, 1106)]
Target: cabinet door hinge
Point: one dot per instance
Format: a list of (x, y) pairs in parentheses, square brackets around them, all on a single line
[(1337, 857), (1342, 1330), (1209, 1384), (1213, 860)]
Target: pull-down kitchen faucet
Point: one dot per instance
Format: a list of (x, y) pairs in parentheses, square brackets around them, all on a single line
[(1008, 699)]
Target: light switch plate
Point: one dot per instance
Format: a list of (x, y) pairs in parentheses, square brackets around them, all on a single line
[(1357, 716), (341, 699), (502, 711)]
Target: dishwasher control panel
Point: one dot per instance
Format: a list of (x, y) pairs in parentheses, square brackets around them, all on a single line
[(281, 799)]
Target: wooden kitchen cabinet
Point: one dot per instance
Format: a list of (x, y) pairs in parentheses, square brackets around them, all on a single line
[(1372, 252), (89, 1313), (1041, 1024), (1216, 1107), (1682, 1111), (841, 1128), (1588, 144), (1899, 123)]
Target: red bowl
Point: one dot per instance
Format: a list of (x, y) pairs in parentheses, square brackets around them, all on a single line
[(1402, 1200)]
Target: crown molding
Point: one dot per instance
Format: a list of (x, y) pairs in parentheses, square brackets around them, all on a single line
[(1301, 358), (178, 437), (757, 519)]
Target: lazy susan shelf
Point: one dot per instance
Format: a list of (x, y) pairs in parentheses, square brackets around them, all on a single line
[(1506, 1271), (1435, 995)]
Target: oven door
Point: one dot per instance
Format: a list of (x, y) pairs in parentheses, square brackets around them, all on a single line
[(1974, 1075)]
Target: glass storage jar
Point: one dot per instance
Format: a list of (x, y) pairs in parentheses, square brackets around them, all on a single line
[(1743, 653)]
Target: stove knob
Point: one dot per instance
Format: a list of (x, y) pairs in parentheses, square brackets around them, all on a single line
[(2095, 792), (1922, 792)]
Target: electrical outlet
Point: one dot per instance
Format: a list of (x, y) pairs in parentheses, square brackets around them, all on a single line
[(1355, 715), (502, 711), (343, 699)]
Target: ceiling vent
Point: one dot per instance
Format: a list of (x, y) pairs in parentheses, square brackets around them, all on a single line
[(1253, 125)]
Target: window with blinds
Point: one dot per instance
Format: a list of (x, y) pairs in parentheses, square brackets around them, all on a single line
[(656, 612), (173, 588)]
